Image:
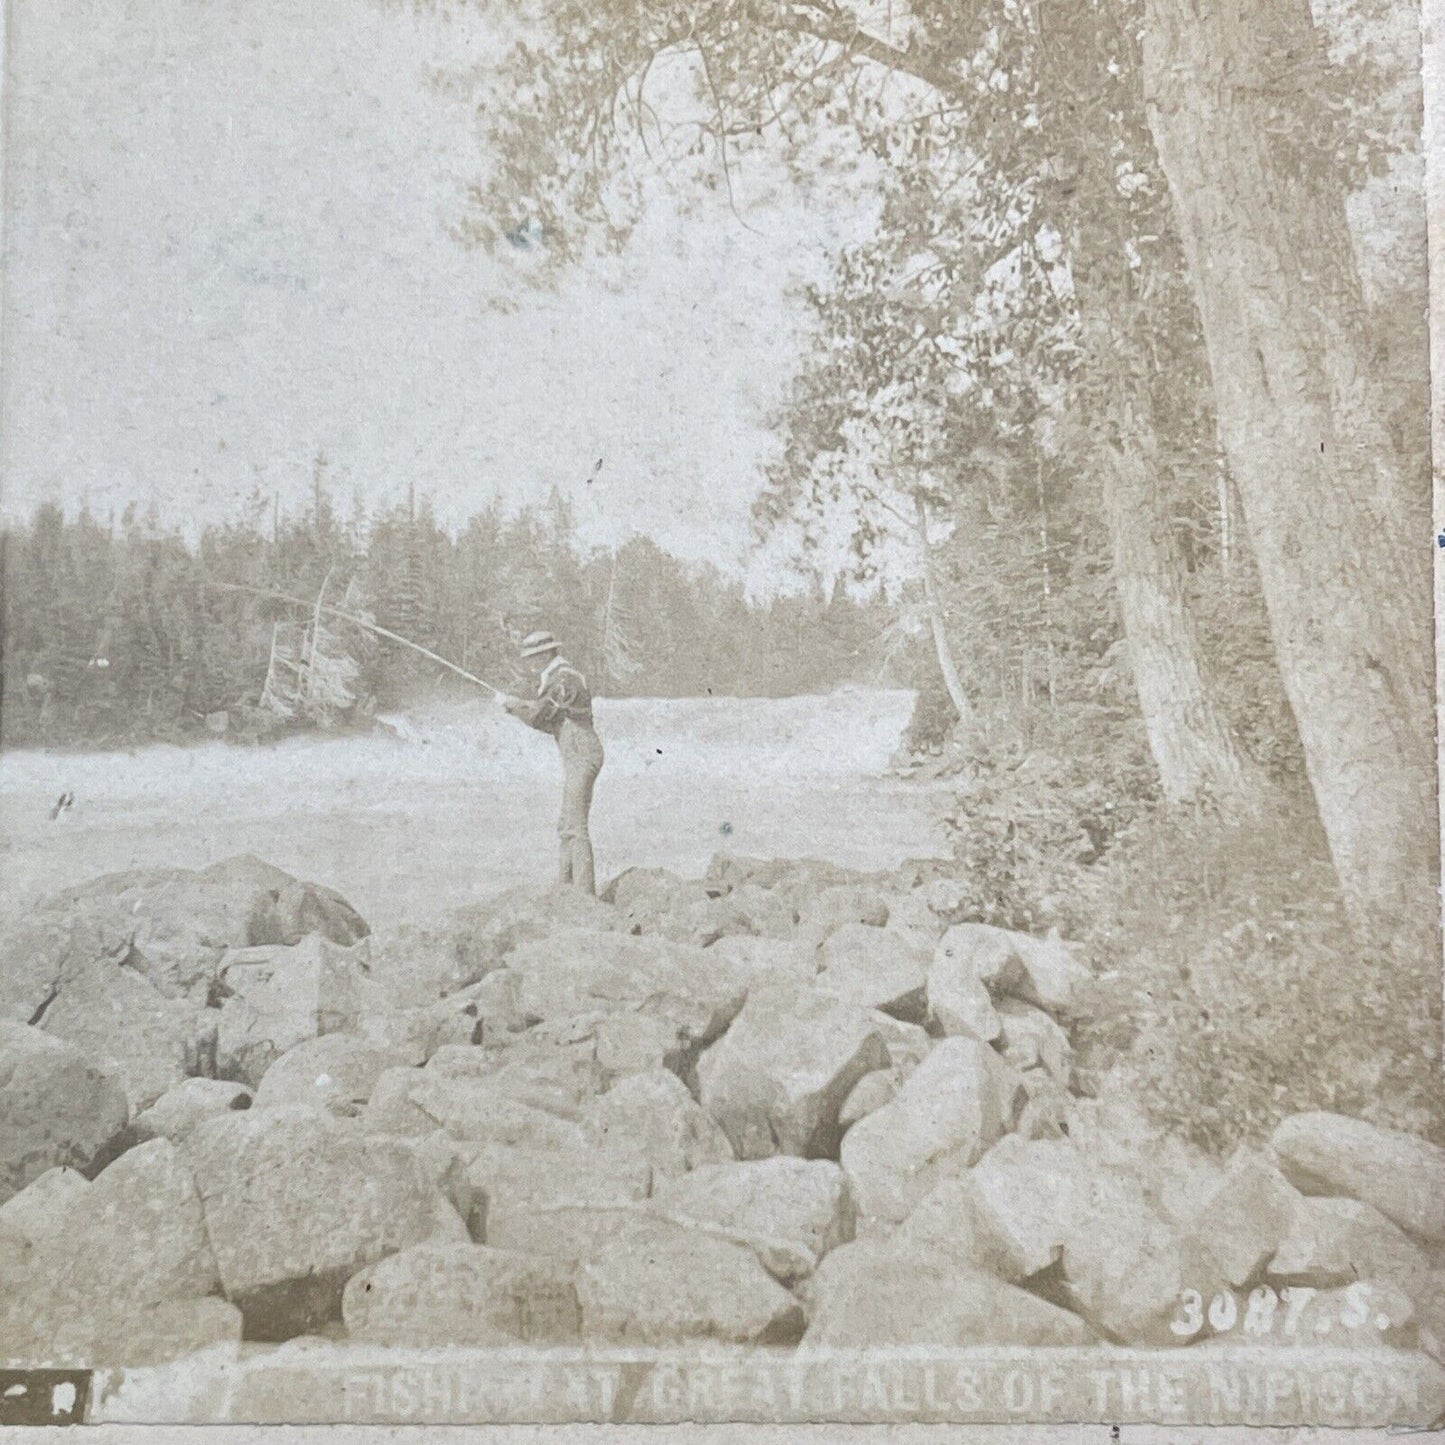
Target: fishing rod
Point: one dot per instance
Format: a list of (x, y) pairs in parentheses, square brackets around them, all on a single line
[(358, 622)]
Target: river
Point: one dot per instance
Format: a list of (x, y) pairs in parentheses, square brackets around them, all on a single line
[(458, 801)]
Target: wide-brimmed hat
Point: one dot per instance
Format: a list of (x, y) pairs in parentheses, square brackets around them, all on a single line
[(534, 644)]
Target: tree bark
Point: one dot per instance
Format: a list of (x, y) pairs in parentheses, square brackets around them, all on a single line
[(1338, 528), (942, 650), (1190, 738), (1191, 741)]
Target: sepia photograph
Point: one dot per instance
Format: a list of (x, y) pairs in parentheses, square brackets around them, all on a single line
[(719, 711)]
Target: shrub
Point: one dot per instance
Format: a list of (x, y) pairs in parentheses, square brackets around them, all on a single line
[(1235, 994), (1231, 991), (1033, 819)]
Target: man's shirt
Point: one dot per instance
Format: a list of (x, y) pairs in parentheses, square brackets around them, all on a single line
[(561, 695)]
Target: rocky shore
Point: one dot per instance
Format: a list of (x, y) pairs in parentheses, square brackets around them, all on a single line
[(785, 1104)]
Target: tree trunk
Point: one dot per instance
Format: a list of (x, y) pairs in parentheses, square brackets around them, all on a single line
[(1338, 529), (942, 650), (1191, 741)]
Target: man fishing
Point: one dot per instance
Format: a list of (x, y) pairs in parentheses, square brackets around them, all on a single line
[(563, 707)]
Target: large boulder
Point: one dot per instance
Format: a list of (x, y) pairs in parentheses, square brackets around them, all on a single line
[(973, 963), (869, 1095), (964, 961), (639, 1043), (798, 880), (136, 1233), (513, 1180), (910, 913), (1040, 971), (415, 1034), (1241, 1225), (179, 921), (940, 1229), (726, 871), (417, 964), (958, 1101), (829, 909), (1430, 1305), (296, 1203), (1045, 1205), (684, 1285), (794, 880), (446, 1162), (118, 1017), (119, 1334), (450, 1295), (1030, 1039), (751, 912), (187, 1104), (1049, 1112), (654, 1115), (1023, 1199), (1402, 1175), (864, 1297), (1332, 1242), (762, 961), (880, 968), (572, 973), (136, 1236), (790, 1212), (573, 1232), (945, 897), (648, 887), (658, 901), (39, 1209), (57, 1107), (553, 1067), (39, 950), (1113, 1131), (481, 1012), (1126, 1269), (693, 918), (485, 934), (1053, 979), (777, 1079), (335, 1072), (907, 1044), (419, 1101), (16, 1247), (279, 997)]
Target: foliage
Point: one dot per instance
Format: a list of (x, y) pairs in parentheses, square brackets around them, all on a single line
[(1234, 992), (1230, 989), (1036, 816), (112, 633)]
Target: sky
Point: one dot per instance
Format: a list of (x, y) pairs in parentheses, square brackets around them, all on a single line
[(227, 249)]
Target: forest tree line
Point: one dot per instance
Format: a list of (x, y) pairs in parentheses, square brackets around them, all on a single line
[(115, 632)]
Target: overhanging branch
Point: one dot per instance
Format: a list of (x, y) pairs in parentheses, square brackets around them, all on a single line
[(841, 27)]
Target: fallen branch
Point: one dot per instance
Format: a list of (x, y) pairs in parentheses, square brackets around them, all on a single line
[(356, 621)]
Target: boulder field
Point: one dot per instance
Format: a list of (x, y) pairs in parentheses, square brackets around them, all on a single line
[(785, 1104)]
